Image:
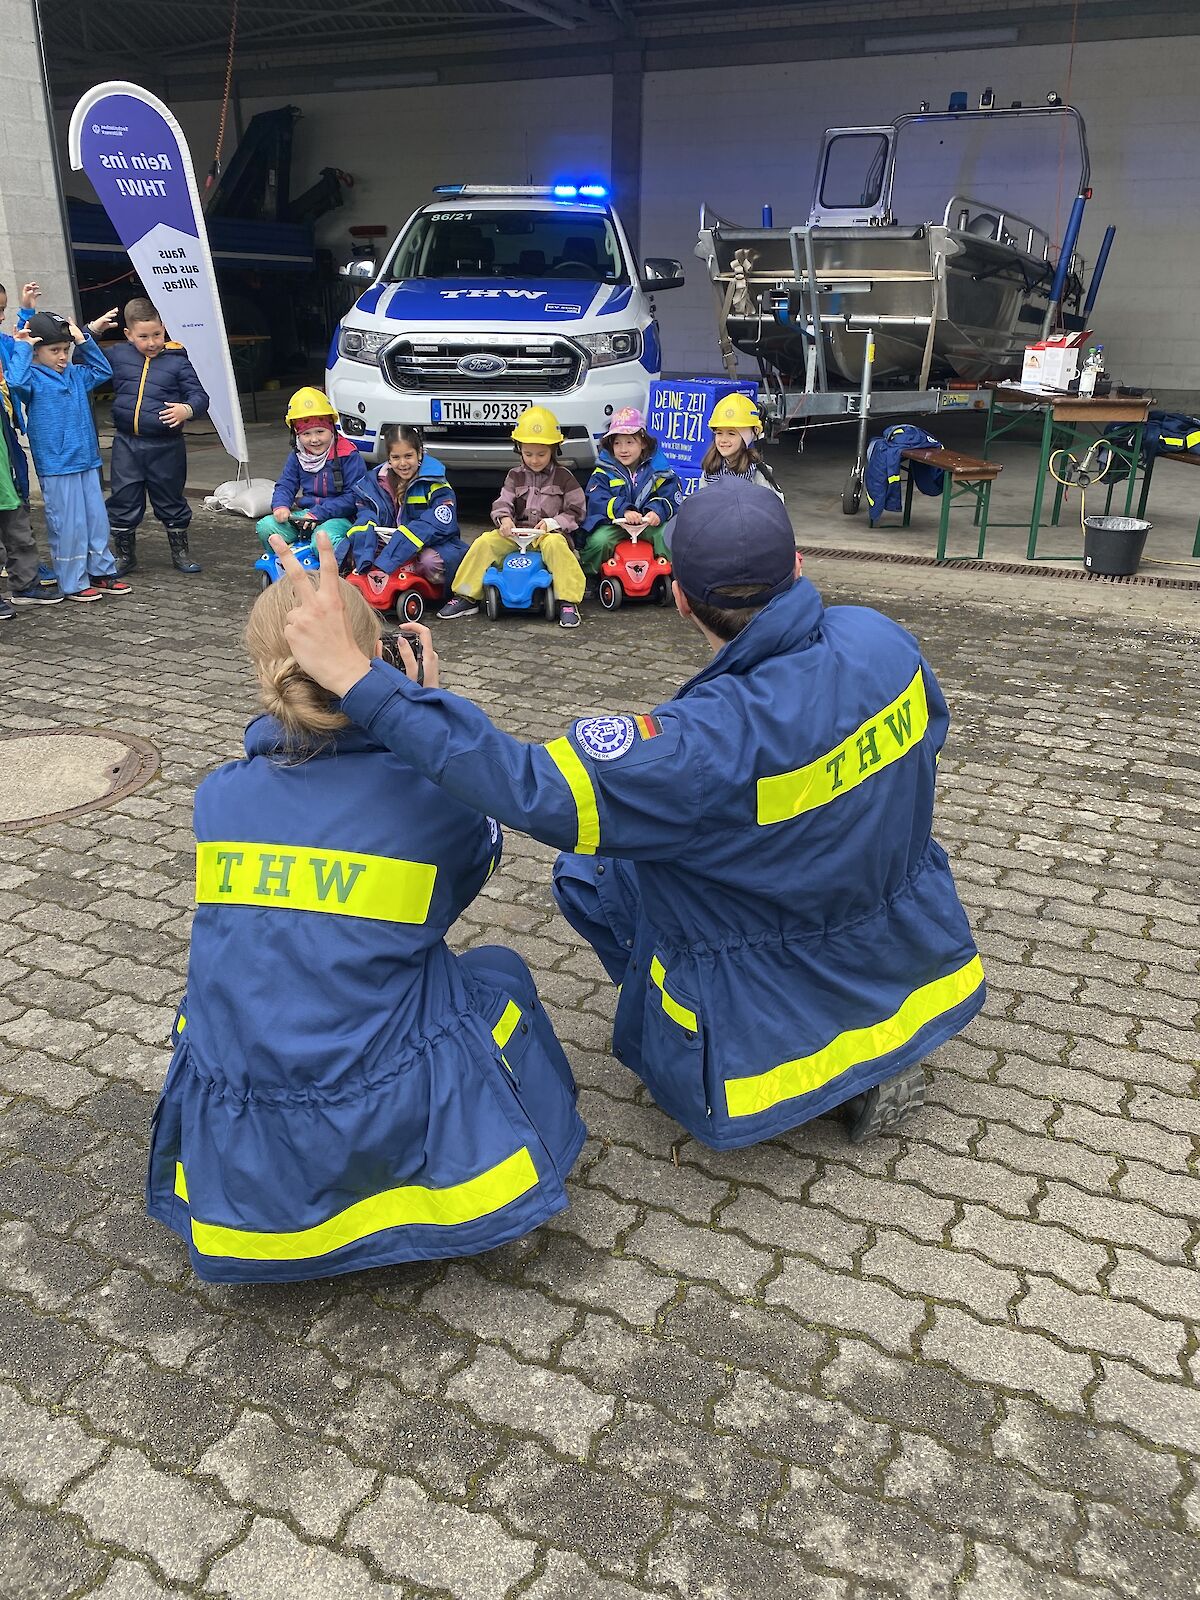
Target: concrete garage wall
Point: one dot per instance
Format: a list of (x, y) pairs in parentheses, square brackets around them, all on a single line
[(740, 137), (31, 241)]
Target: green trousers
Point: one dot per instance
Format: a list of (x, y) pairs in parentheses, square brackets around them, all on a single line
[(602, 541)]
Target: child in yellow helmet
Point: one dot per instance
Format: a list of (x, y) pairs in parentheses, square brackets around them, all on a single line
[(736, 427), (322, 481), (538, 493)]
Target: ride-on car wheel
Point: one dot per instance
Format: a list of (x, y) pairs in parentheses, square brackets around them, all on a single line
[(610, 593), (491, 601), (883, 1108), (551, 611), (412, 607), (264, 580), (662, 591)]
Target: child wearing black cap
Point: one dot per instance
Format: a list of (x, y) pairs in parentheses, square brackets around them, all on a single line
[(54, 390)]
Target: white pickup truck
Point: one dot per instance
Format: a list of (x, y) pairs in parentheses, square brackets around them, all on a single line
[(490, 300)]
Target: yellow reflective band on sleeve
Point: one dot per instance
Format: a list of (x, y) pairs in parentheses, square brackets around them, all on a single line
[(888, 735), (296, 878), (412, 1205), (410, 535), (745, 1097), (609, 511), (894, 477), (180, 1026), (565, 757), (361, 527), (677, 1013), (418, 500), (503, 1031)]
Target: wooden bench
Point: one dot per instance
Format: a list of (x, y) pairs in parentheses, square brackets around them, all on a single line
[(1190, 458), (963, 475)]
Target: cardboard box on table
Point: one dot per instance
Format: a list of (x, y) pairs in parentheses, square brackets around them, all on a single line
[(1053, 363)]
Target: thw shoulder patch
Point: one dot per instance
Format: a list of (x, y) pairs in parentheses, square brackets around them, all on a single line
[(631, 740)]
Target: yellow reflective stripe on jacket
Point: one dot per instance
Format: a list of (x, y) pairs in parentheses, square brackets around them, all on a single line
[(565, 757), (747, 1096), (884, 738), (409, 534), (417, 500), (678, 1013), (296, 878), (411, 1205), (137, 404), (609, 510), (505, 1028)]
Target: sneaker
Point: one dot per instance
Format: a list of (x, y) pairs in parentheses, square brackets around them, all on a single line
[(6, 611), (85, 596), (46, 576), (460, 606), (37, 595), (110, 585), (568, 615)]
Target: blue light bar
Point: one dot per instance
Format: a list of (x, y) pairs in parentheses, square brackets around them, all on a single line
[(593, 191), (565, 191), (449, 188)]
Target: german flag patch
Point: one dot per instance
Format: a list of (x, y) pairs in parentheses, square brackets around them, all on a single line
[(648, 727)]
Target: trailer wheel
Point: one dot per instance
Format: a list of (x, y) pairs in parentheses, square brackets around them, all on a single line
[(851, 493)]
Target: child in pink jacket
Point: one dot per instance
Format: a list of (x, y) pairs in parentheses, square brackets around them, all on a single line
[(541, 494)]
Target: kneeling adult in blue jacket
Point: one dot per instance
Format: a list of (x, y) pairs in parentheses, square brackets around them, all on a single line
[(345, 1092)]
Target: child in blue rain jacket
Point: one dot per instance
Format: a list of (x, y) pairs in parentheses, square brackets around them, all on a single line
[(346, 1092), (628, 486), (409, 519)]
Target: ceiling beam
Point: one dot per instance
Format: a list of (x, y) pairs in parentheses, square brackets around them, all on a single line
[(548, 13)]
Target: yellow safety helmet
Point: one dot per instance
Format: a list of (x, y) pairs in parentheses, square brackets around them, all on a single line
[(537, 425), (736, 411), (309, 405)]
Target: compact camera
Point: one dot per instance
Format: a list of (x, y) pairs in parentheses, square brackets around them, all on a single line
[(391, 650)]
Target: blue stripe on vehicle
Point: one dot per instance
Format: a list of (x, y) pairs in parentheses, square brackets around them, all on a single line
[(371, 299), (617, 300), (651, 349)]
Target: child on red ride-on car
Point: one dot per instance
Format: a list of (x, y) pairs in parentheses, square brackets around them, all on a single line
[(408, 515)]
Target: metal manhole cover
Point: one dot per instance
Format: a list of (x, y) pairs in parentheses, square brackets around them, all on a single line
[(59, 772)]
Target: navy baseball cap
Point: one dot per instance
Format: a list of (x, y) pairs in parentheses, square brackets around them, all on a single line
[(733, 534)]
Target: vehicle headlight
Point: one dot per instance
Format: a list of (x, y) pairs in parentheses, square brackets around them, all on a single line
[(605, 349), (356, 344)]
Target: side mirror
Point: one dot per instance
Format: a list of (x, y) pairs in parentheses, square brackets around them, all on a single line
[(358, 269), (661, 272)]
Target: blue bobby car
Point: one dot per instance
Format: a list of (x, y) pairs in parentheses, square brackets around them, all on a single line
[(521, 582), (270, 570)]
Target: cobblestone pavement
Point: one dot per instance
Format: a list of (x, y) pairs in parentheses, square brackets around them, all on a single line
[(959, 1363)]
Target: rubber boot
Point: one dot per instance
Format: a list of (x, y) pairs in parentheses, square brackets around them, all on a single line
[(178, 540), (124, 548)]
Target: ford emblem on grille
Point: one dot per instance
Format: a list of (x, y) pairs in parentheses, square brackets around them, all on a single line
[(482, 366)]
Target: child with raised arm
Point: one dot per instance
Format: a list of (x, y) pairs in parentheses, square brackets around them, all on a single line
[(54, 387)]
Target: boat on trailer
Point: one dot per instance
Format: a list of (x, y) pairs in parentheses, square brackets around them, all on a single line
[(953, 296)]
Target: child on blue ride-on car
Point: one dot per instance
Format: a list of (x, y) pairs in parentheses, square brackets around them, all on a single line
[(322, 479), (408, 518)]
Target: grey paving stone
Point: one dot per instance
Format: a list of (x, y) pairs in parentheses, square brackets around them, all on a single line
[(1169, 1291), (799, 1229), (866, 1538), (1051, 1155), (983, 1498), (597, 1514), (967, 1177), (56, 1198), (701, 1561), (941, 1274), (803, 1428), (1038, 1246), (1146, 1563), (909, 1394), (1112, 1327), (261, 1465), (1012, 1360), (738, 1335), (881, 1201), (42, 1355), (466, 1553), (128, 1580), (837, 1302), (1086, 1460), (413, 1349), (684, 1190), (47, 1270), (642, 1364), (441, 1446), (271, 1562), (301, 1387), (525, 1319), (571, 1272), (176, 1523), (142, 1316), (1000, 1575), (531, 1399), (566, 1577), (172, 1415), (705, 1253), (596, 1218), (1165, 1413), (43, 1556), (39, 1452)]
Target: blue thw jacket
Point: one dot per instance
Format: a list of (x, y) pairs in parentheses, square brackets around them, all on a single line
[(427, 515), (345, 1092), (145, 384), (613, 490), (16, 456), (332, 492), (7, 345), (881, 481), (58, 412), (800, 937)]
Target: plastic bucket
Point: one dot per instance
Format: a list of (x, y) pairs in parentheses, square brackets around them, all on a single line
[(1112, 546)]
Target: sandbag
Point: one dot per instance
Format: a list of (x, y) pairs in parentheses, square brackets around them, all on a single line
[(252, 499)]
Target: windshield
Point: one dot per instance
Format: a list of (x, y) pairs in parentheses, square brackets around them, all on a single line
[(509, 244)]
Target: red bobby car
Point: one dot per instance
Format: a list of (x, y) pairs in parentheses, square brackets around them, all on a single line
[(634, 572), (408, 592)]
